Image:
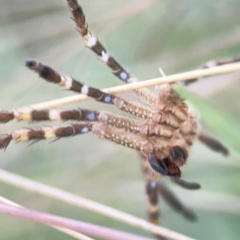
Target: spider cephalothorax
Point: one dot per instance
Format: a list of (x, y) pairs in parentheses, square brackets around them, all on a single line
[(163, 133), (178, 128)]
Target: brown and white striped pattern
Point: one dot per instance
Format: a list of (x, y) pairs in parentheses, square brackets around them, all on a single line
[(54, 132), (50, 115), (211, 64), (152, 194), (95, 45), (69, 83)]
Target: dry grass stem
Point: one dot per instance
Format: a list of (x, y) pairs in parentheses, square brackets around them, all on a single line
[(69, 232), (224, 69), (87, 228), (78, 201)]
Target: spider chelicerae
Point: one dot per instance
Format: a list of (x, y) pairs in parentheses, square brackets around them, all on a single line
[(163, 134)]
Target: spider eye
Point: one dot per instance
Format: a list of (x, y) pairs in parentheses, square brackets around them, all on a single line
[(164, 166), (178, 154)]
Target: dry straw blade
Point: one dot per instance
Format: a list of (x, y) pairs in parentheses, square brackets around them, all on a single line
[(81, 202), (69, 232)]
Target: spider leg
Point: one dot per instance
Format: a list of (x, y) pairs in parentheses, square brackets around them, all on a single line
[(54, 132), (152, 194), (213, 144), (153, 202), (95, 45), (151, 191), (154, 186), (186, 184), (128, 139), (77, 114), (175, 203), (131, 125), (128, 124), (136, 109), (118, 129), (52, 76)]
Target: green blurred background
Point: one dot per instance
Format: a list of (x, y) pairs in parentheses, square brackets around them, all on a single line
[(143, 35)]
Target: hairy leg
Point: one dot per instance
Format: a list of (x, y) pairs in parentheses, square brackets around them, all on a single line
[(68, 82), (210, 64), (213, 144), (95, 45)]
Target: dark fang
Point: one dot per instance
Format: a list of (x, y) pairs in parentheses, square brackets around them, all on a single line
[(164, 166), (155, 164)]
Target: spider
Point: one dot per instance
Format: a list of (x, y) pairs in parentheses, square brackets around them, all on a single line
[(163, 133)]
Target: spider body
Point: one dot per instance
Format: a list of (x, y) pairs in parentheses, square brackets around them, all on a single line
[(165, 136), (163, 133)]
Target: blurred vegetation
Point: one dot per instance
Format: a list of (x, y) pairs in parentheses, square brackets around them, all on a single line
[(143, 36)]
